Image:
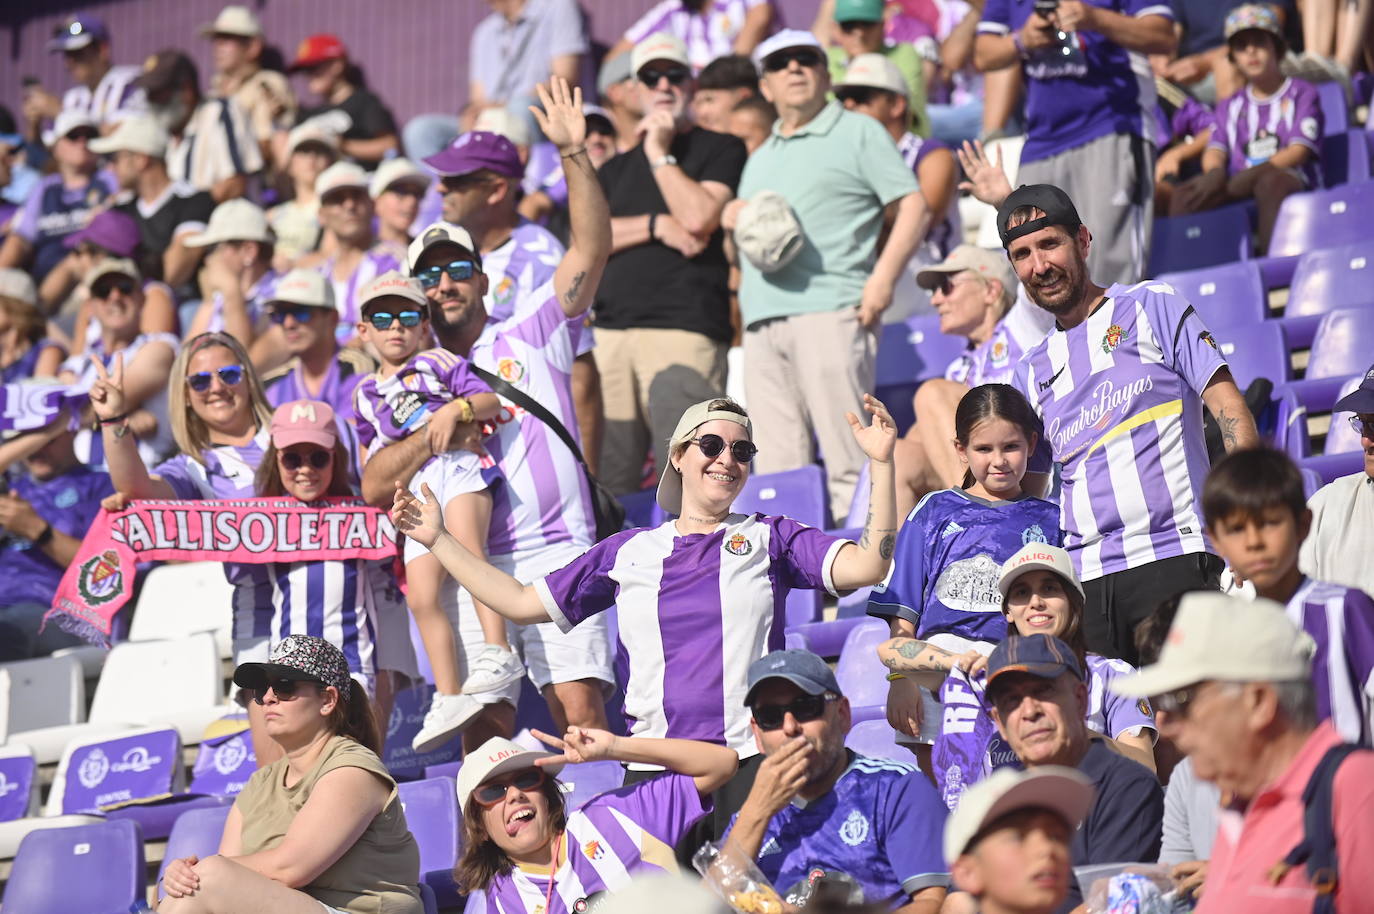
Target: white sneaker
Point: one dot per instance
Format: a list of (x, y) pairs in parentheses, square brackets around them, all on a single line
[(447, 716), (495, 668)]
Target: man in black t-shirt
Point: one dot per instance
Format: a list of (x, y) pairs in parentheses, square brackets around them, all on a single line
[(366, 129), (663, 305)]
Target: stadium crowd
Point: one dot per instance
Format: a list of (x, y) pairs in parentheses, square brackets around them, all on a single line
[(1112, 649)]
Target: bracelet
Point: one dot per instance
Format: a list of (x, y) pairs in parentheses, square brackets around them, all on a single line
[(1016, 42), (893, 677), (45, 537), (578, 151), (653, 220), (467, 414), (114, 419)]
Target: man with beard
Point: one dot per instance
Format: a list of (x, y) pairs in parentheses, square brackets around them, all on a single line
[(542, 514), (816, 805), (1120, 383)]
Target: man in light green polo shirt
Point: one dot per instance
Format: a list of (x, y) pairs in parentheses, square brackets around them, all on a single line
[(810, 326)]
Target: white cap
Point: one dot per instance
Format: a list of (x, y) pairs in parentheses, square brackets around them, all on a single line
[(303, 287), (1061, 790), (497, 756), (440, 233), (234, 220), (1038, 557), (234, 20), (502, 122), (396, 171), (768, 233), (392, 283), (1218, 636), (140, 134), (121, 265), (340, 175), (874, 71), (69, 119), (787, 38), (658, 46), (311, 133), (19, 285)]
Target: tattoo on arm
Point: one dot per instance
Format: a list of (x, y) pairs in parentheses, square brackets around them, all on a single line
[(574, 288), (886, 545), (909, 649), (915, 656), (868, 521), (1228, 424)]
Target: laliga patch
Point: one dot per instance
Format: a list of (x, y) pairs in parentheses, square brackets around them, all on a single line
[(593, 850), (1210, 340), (1112, 338), (738, 545)]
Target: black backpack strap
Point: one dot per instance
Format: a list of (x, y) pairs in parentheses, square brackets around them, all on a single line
[(504, 388), (1317, 849)]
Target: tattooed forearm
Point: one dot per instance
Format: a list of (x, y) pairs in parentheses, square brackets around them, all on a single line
[(909, 655), (574, 288), (1228, 424), (886, 545)]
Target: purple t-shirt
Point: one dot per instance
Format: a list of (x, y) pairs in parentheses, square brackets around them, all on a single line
[(227, 470), (1250, 131), (1120, 396), (70, 503), (1083, 89), (613, 838), (1341, 621), (694, 612), (346, 371), (1189, 119), (389, 409)]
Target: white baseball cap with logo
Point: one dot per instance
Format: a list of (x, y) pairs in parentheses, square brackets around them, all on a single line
[(234, 220), (392, 284), (338, 176), (141, 134), (970, 258), (234, 20), (311, 133), (1216, 636), (782, 41), (303, 287), (1038, 557), (658, 46), (874, 71), (398, 171), (118, 265), (1061, 790), (441, 233), (497, 756)]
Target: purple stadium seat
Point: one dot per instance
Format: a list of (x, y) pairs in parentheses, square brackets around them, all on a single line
[(584, 781), (1332, 278), (1345, 157), (1299, 402), (1200, 240), (1323, 219), (877, 739), (1311, 481), (95, 869), (799, 494), (1342, 344), (196, 833), (1331, 467), (431, 808), (16, 785), (428, 899), (909, 353), (1231, 293), (1342, 437), (1255, 350), (859, 673), (1335, 111), (407, 715)]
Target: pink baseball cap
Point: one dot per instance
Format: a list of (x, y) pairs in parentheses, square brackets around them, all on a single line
[(304, 422)]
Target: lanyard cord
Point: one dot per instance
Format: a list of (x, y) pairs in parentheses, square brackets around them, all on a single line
[(553, 870)]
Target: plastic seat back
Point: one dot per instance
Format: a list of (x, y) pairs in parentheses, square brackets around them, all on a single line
[(1230, 293), (1200, 240), (145, 679), (1342, 343), (197, 833), (1333, 278), (1323, 219), (90, 868), (45, 692), (180, 600)]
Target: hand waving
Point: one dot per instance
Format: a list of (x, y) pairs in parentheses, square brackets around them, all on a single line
[(879, 438), (561, 119), (107, 393), (579, 744), (986, 181), (422, 521)]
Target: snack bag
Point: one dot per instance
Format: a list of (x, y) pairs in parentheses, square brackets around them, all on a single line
[(736, 880)]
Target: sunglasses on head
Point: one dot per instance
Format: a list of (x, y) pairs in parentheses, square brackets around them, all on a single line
[(381, 320), (711, 445), (284, 689), (229, 375), (675, 75), (457, 270), (804, 708), (301, 314), (805, 57), (318, 458), (104, 287), (489, 793)]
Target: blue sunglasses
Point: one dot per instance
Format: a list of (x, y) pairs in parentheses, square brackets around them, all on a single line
[(230, 375), (457, 271), (381, 320)]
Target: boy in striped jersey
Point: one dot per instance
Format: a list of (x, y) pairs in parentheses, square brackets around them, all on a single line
[(1257, 517)]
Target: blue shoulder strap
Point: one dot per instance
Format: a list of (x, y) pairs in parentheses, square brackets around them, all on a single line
[(1317, 849)]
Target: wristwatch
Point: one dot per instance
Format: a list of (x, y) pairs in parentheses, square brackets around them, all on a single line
[(658, 163)]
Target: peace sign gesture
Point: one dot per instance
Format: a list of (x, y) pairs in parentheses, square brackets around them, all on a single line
[(107, 393), (561, 119)]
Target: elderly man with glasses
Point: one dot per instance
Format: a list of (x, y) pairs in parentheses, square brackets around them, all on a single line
[(1342, 537)]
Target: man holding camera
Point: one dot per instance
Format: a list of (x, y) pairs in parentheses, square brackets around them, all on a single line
[(1089, 110)]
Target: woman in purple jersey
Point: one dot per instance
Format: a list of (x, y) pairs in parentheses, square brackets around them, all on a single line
[(522, 847)]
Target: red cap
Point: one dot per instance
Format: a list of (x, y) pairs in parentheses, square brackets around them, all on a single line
[(318, 49), (304, 421)]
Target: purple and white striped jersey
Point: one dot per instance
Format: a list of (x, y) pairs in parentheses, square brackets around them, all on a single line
[(546, 499), (1341, 621), (388, 409), (380, 259), (1121, 399), (708, 34), (694, 611), (1250, 130), (614, 837), (990, 362), (518, 268), (116, 96), (227, 470)]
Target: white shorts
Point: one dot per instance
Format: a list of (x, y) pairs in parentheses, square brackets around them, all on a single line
[(449, 475), (549, 655)]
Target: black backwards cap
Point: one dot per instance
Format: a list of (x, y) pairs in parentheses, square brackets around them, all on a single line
[(1050, 200)]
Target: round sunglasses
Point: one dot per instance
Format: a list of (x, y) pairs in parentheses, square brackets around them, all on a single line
[(229, 375), (382, 320), (317, 458), (711, 445), (489, 793)]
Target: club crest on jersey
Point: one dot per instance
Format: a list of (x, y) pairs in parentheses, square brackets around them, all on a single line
[(739, 545), (1000, 352), (593, 850), (1207, 338), (1033, 534), (854, 831), (510, 370), (503, 290), (1112, 338), (1143, 706)]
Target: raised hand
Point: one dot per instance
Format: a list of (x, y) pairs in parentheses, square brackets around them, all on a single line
[(561, 119), (579, 744), (878, 438), (107, 393), (986, 181), (422, 521), (780, 776)]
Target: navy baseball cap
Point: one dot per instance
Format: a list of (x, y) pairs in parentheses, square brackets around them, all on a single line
[(1050, 200), (1359, 400), (76, 32), (803, 669), (1039, 655)]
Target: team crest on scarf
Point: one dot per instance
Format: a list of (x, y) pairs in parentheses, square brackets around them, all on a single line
[(511, 370), (1112, 338), (100, 577), (739, 545)]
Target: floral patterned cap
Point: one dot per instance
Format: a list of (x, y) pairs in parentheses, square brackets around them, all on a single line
[(301, 658), (1259, 16)]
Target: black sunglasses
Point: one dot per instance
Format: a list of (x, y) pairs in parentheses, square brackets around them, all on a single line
[(319, 459), (457, 270), (1176, 701), (301, 314), (489, 793), (711, 445), (675, 75), (284, 689), (103, 287), (381, 320), (84, 134), (779, 60), (859, 95), (854, 25), (804, 708), (230, 375)]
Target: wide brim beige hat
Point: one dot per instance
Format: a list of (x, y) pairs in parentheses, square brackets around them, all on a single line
[(768, 233), (986, 263), (121, 265), (398, 171), (234, 220), (670, 482)]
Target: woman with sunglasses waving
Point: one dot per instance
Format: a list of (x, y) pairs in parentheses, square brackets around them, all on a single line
[(322, 827), (702, 596), (522, 848)]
